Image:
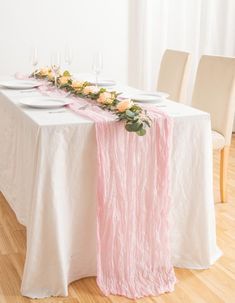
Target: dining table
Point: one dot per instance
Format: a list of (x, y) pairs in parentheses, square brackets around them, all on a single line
[(48, 176)]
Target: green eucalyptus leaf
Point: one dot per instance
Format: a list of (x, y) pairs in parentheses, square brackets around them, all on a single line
[(136, 126), (141, 132), (130, 114), (129, 128)]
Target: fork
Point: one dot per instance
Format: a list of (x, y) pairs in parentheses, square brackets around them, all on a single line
[(28, 90), (84, 107), (64, 110), (57, 111)]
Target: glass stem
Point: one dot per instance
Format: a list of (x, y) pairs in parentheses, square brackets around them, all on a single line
[(34, 71), (96, 79)]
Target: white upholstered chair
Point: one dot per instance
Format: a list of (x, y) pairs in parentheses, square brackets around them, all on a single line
[(173, 74), (214, 92)]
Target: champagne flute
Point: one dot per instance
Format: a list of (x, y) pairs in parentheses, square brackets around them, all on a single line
[(97, 65), (34, 59), (55, 65), (68, 56)]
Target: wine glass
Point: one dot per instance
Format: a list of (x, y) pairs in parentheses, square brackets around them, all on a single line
[(68, 56), (97, 65), (55, 65), (34, 59)]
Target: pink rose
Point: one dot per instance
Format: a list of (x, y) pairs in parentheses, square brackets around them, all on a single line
[(124, 105)]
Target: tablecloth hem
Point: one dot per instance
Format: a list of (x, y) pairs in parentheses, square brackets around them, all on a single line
[(34, 296), (212, 261)]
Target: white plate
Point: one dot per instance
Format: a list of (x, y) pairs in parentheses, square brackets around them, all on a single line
[(162, 95), (147, 98), (45, 102), (19, 84), (104, 83)]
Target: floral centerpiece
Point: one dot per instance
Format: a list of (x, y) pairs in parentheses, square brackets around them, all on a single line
[(135, 117)]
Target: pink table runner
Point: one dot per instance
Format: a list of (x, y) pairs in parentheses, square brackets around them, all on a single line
[(133, 203)]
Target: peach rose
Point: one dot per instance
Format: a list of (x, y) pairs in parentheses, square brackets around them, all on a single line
[(50, 75), (77, 84), (105, 98), (44, 71), (124, 105), (90, 90), (63, 80)]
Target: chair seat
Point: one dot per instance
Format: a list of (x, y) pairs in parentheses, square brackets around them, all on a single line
[(218, 140)]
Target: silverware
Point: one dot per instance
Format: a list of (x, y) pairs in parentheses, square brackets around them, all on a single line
[(27, 90), (57, 111), (64, 110), (84, 107)]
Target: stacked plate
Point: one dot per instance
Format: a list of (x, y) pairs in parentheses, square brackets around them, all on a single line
[(104, 83), (155, 97), (45, 102), (19, 84)]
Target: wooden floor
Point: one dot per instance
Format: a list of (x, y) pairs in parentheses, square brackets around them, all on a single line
[(214, 285)]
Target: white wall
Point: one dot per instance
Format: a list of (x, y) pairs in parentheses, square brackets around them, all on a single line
[(84, 25), (197, 26)]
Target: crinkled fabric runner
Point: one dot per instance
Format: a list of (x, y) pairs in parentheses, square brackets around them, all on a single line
[(133, 203)]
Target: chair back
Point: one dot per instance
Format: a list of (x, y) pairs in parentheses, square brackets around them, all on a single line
[(173, 74), (214, 92)]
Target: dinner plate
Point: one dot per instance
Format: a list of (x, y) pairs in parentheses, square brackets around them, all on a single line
[(147, 98), (19, 84), (45, 102), (104, 83), (162, 95)]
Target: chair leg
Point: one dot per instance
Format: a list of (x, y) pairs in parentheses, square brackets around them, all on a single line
[(224, 154)]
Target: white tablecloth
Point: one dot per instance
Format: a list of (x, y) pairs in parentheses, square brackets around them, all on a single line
[(48, 176)]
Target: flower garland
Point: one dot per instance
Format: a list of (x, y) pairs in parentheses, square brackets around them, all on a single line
[(135, 118)]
